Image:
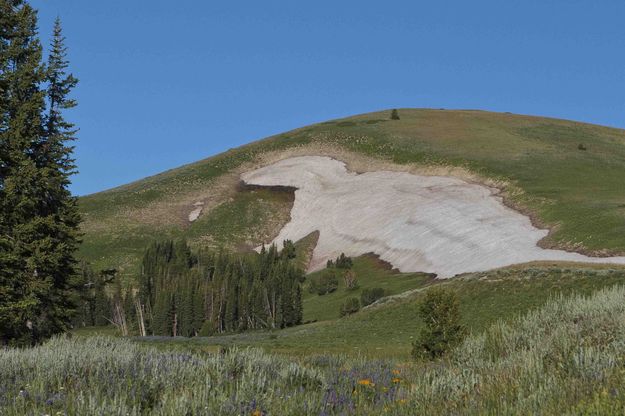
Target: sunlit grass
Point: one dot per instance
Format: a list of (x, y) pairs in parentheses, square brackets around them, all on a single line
[(566, 357)]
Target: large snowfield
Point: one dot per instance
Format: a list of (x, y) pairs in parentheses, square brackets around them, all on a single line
[(431, 224)]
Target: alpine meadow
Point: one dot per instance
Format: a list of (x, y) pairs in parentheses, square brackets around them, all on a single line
[(406, 261)]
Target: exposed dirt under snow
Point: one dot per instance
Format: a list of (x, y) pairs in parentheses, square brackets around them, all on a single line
[(432, 224)]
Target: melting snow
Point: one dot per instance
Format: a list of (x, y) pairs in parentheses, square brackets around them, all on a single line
[(431, 224)]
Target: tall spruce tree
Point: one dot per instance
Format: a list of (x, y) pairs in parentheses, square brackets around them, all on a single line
[(38, 216)]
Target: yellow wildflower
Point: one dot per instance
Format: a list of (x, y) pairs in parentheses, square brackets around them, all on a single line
[(396, 372), (365, 382), (396, 380), (257, 413)]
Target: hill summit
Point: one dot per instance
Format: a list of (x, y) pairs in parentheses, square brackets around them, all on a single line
[(565, 177)]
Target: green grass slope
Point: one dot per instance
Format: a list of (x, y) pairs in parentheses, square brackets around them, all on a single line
[(577, 193), (388, 328), (370, 273)]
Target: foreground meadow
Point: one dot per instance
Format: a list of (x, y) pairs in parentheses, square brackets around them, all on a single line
[(564, 358)]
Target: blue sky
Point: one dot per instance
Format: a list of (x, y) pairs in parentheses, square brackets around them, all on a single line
[(167, 83)]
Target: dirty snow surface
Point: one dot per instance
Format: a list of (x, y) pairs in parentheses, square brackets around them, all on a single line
[(197, 210), (430, 224)]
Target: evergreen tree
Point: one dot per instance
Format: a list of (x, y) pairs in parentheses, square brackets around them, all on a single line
[(394, 114), (288, 249), (442, 331), (298, 306), (102, 311), (204, 293), (85, 303), (38, 216)]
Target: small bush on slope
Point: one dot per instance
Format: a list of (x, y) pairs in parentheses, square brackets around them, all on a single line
[(565, 358), (370, 295), (350, 306), (440, 312), (324, 284)]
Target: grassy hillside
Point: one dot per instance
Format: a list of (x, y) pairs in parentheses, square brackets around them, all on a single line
[(388, 329), (579, 193), (564, 358), (370, 273)]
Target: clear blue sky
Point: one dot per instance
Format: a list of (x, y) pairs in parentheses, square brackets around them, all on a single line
[(165, 83)]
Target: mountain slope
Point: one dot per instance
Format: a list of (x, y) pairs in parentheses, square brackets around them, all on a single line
[(536, 162)]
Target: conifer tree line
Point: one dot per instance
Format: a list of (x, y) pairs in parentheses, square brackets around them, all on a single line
[(186, 293), (39, 218)]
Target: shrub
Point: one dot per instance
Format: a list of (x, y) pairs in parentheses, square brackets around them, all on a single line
[(349, 277), (350, 306), (581, 146), (324, 284), (288, 249), (370, 295), (344, 262), (394, 114), (440, 312), (341, 262)]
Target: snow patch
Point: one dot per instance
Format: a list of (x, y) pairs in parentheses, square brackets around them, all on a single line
[(195, 214), (431, 224)]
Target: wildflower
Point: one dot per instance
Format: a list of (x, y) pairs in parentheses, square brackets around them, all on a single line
[(396, 372), (365, 382), (257, 413), (402, 401), (396, 380)]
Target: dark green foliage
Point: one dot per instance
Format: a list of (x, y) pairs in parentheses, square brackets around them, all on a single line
[(38, 216), (85, 301), (341, 262), (370, 295), (324, 284), (350, 306), (189, 294), (394, 114), (288, 249), (440, 312), (581, 146), (102, 310), (94, 305)]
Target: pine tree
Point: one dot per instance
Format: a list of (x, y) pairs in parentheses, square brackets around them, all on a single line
[(85, 302), (198, 309), (442, 330), (185, 307), (38, 217), (102, 310), (288, 249), (219, 292), (298, 306)]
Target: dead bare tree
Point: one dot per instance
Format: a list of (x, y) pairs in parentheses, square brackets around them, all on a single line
[(350, 279), (140, 319), (119, 318)]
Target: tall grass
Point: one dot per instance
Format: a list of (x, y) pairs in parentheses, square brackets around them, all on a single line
[(565, 358)]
